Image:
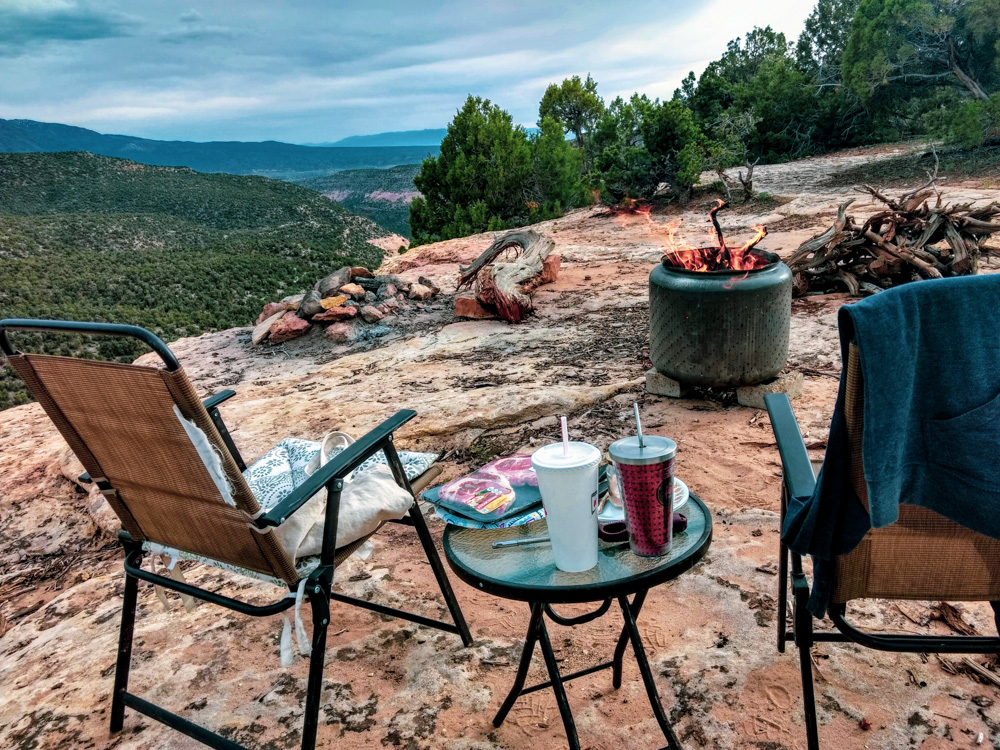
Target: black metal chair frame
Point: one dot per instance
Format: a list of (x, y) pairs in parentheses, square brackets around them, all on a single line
[(798, 481), (319, 584)]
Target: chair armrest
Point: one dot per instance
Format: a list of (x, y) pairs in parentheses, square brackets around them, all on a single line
[(796, 467), (342, 465), (211, 405), (217, 398)]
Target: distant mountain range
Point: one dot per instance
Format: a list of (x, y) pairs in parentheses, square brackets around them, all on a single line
[(430, 137), (267, 158)]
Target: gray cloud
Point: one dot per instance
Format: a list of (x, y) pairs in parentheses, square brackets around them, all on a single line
[(24, 26), (198, 34), (315, 70)]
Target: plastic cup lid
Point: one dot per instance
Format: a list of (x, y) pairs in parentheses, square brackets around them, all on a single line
[(578, 456), (655, 449)]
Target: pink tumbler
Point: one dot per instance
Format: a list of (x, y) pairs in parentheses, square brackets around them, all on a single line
[(646, 471)]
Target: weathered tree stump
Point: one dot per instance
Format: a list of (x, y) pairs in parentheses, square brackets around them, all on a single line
[(506, 285)]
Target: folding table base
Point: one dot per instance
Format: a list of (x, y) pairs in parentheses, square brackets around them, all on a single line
[(538, 633)]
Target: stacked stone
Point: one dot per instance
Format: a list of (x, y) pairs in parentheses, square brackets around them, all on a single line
[(344, 301)]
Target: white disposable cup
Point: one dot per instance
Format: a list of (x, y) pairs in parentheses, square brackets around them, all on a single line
[(568, 484)]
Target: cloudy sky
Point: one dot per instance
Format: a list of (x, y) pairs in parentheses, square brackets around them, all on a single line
[(312, 71)]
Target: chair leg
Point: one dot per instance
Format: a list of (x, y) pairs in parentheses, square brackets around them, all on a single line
[(802, 626), (319, 601), (808, 698), (124, 653), (783, 553), (782, 596), (427, 542)]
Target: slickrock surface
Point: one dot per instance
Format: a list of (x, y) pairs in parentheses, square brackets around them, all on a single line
[(481, 388)]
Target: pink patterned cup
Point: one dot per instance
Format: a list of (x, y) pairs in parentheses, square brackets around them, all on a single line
[(646, 474)]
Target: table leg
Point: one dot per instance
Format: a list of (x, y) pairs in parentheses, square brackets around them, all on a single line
[(557, 686), (647, 675), (522, 667), (616, 670)]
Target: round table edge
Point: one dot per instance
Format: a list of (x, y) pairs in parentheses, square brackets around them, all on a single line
[(582, 594)]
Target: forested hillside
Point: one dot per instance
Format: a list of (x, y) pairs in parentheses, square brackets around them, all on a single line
[(89, 237), (383, 195)]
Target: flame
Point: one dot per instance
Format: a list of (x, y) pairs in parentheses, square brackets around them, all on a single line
[(679, 253)]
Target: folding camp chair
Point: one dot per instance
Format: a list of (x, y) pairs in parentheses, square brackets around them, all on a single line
[(922, 556), (122, 422)]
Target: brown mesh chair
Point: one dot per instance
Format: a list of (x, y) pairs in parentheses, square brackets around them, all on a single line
[(922, 556), (120, 420)]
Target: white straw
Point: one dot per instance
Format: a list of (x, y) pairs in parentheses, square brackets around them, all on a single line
[(565, 435), (638, 424)]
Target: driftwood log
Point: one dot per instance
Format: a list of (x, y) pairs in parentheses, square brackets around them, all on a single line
[(506, 273), (910, 239)]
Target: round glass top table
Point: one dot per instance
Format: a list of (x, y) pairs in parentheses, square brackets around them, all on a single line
[(528, 573)]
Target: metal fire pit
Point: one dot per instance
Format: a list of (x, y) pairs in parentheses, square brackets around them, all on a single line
[(720, 328)]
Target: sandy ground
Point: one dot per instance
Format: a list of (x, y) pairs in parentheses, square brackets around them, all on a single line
[(481, 389)]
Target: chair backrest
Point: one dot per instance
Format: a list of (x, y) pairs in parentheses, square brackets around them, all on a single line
[(121, 422), (923, 555)]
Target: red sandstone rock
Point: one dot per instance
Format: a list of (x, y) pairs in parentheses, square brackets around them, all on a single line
[(371, 314), (340, 333), (360, 272), (271, 308), (335, 313), (289, 326), (262, 329), (550, 269), (353, 290), (470, 307), (419, 291)]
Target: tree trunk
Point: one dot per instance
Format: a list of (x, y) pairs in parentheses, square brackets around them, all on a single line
[(968, 81)]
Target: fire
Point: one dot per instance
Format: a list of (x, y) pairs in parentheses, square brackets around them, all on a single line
[(679, 253)]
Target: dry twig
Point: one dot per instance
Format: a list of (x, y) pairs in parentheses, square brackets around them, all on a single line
[(912, 238)]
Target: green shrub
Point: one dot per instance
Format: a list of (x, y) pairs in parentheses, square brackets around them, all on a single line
[(640, 144)]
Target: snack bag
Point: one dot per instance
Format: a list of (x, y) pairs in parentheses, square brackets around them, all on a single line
[(515, 469), (481, 491)]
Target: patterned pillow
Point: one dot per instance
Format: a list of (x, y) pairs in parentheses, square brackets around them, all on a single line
[(279, 471)]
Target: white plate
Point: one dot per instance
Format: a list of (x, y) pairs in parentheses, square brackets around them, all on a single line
[(612, 512)]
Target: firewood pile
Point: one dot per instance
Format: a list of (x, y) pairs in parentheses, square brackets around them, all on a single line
[(911, 239)]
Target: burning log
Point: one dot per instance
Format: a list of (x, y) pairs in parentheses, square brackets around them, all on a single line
[(909, 240), (507, 285), (719, 258)]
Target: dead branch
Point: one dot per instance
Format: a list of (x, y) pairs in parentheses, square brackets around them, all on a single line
[(908, 240)]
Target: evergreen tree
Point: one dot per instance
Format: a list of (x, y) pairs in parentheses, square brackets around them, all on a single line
[(935, 58), (575, 104), (480, 179), (820, 49), (556, 168), (898, 47), (640, 144)]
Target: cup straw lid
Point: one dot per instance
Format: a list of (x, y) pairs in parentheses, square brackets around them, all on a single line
[(654, 449)]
